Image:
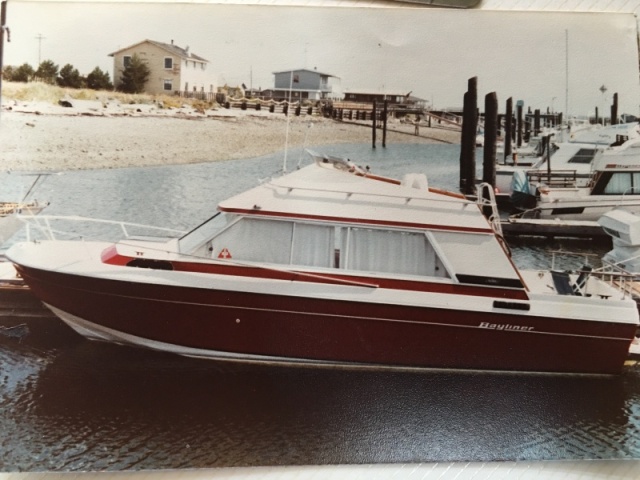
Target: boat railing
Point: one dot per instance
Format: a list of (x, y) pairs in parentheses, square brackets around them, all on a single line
[(486, 199), (39, 226), (555, 178), (630, 191), (609, 273), (618, 277)]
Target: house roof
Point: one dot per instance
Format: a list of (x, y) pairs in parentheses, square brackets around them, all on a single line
[(306, 70), (169, 47)]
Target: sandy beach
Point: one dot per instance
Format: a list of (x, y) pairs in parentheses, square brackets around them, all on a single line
[(40, 136)]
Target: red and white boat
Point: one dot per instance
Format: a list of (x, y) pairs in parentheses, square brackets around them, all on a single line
[(331, 265)]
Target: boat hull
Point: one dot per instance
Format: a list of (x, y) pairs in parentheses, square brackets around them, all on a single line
[(256, 326), (587, 208)]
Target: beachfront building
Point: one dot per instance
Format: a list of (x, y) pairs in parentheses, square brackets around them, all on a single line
[(304, 84), (172, 68)]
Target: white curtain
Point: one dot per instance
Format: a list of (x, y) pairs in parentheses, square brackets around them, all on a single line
[(280, 242), (253, 240), (389, 252), (313, 245), (619, 183)]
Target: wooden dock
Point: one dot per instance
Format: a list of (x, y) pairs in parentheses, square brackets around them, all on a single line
[(553, 228)]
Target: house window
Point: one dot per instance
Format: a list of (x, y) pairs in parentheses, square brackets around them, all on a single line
[(168, 85), (126, 60), (168, 63)]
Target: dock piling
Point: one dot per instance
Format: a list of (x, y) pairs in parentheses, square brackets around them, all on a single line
[(373, 125), (519, 106), (508, 134), (468, 138), (490, 138), (384, 123)]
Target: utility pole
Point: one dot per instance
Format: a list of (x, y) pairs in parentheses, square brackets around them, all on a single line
[(3, 27), (40, 38)]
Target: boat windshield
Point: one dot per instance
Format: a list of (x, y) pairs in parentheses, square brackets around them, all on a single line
[(195, 240)]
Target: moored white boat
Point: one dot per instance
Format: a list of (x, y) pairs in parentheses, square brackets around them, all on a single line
[(567, 161), (330, 265), (614, 183)]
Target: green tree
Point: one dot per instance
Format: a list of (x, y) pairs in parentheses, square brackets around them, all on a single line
[(24, 73), (7, 72), (134, 76), (70, 77), (47, 72), (99, 80)]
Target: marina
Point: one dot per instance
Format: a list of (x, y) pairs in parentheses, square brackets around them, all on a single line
[(49, 374), (301, 274)]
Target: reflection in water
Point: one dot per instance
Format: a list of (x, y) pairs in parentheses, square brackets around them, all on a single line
[(89, 405)]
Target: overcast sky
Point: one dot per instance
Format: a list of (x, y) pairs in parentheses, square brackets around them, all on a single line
[(429, 52)]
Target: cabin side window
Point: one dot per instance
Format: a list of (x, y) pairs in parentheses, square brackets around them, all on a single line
[(283, 242), (389, 251), (253, 240), (623, 183), (274, 241), (476, 258)]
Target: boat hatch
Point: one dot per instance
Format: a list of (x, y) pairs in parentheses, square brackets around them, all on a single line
[(583, 155)]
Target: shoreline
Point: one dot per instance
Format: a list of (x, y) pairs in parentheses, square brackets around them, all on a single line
[(36, 136)]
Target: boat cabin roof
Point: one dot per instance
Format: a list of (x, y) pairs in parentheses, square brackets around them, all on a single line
[(625, 157), (335, 192)]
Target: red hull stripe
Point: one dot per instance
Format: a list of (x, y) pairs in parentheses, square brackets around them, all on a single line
[(112, 257), (361, 221)]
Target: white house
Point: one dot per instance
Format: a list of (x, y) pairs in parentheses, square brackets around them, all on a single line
[(172, 68)]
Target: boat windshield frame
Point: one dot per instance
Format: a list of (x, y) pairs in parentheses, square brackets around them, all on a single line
[(204, 232)]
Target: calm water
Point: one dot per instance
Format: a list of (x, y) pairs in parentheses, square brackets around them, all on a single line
[(69, 404)]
